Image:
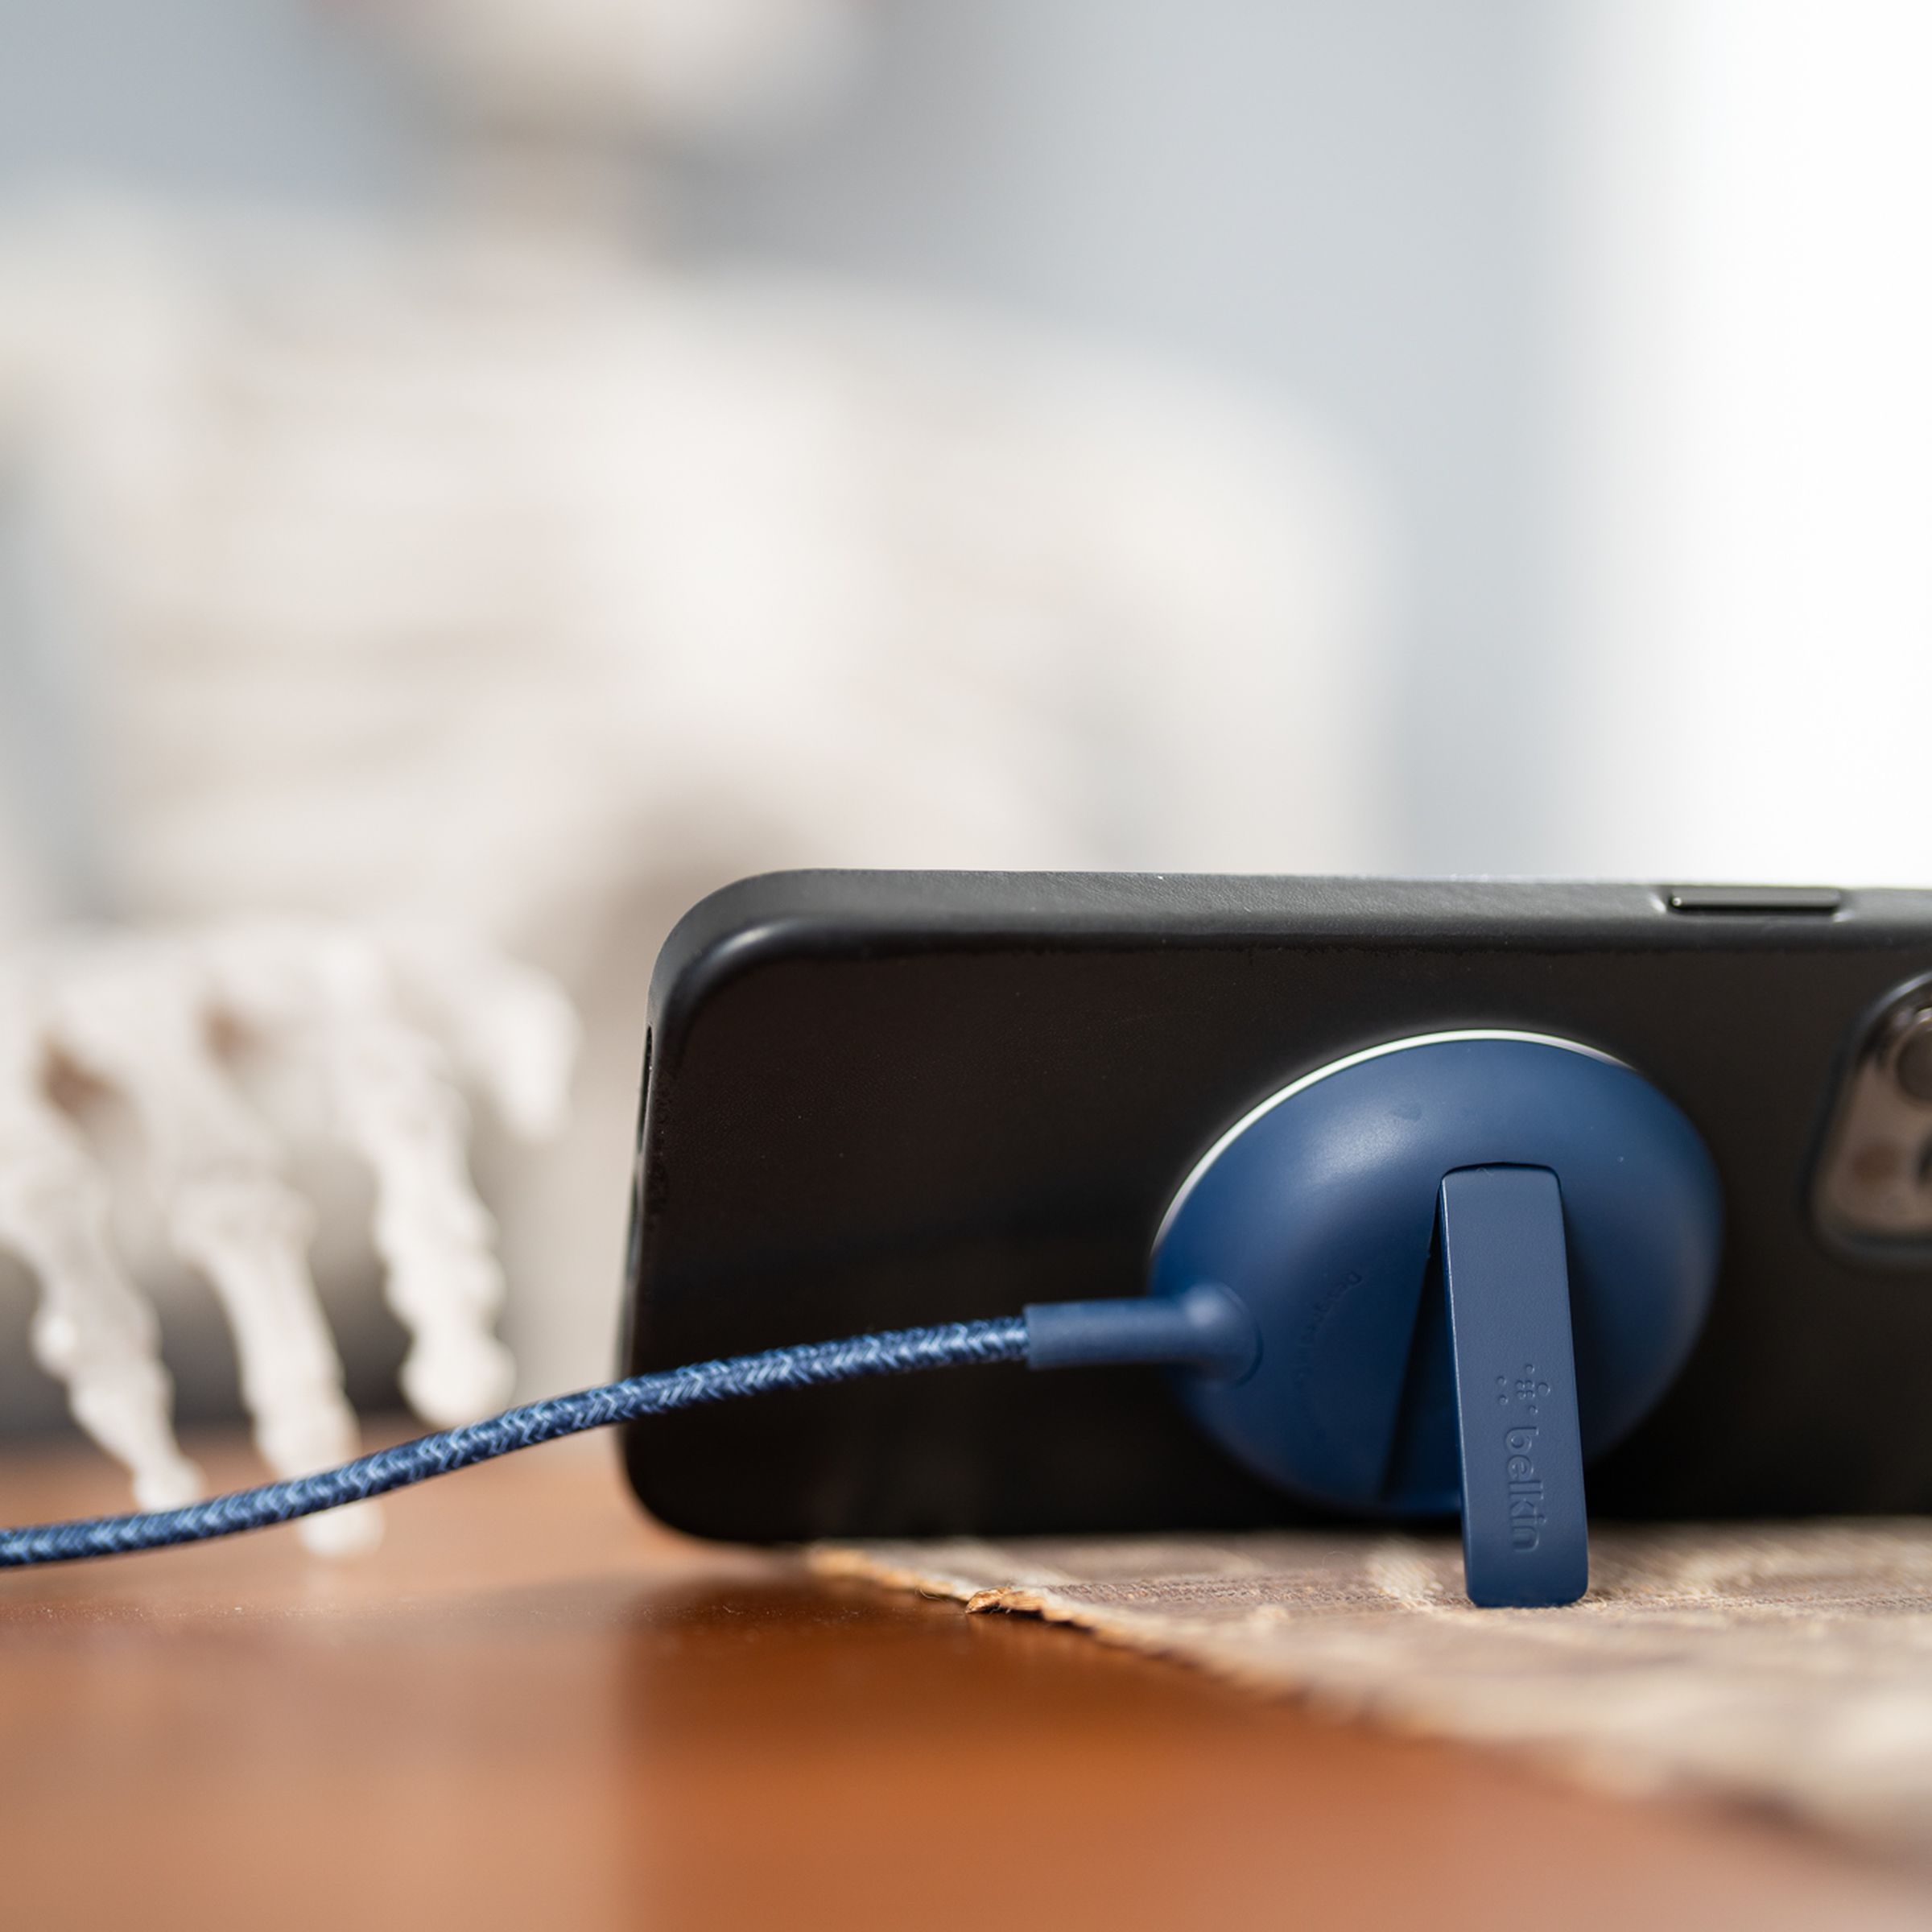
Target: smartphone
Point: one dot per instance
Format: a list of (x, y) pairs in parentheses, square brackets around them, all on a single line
[(878, 1100)]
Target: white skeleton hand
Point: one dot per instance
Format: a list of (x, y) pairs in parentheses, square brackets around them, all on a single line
[(387, 1022)]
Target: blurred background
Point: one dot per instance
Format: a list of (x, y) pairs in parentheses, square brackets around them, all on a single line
[(530, 462)]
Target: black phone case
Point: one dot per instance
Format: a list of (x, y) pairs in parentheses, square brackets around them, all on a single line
[(875, 1100)]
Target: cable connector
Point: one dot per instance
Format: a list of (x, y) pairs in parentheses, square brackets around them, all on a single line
[(1205, 1328)]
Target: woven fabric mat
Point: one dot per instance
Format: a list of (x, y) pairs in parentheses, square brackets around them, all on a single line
[(1790, 1665)]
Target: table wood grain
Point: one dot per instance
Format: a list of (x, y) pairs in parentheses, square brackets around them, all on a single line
[(532, 1707)]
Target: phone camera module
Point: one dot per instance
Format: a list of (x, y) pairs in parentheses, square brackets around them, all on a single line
[(1872, 1189), (1911, 1060)]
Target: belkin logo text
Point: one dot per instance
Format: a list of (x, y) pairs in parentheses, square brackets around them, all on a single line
[(1525, 1488)]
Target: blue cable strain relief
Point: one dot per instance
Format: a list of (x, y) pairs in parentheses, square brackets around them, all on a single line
[(1205, 1327)]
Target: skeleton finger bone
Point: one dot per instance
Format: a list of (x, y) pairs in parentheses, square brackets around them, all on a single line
[(398, 1107), (135, 1015), (92, 1330), (329, 995)]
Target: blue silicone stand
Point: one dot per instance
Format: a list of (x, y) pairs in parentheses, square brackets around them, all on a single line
[(1467, 1264)]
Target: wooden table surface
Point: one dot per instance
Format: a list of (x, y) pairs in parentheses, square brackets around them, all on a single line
[(532, 1708)]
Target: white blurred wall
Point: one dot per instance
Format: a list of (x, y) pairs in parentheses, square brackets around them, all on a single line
[(1747, 495), (1619, 304)]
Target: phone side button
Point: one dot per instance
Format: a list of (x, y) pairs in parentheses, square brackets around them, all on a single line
[(1803, 902)]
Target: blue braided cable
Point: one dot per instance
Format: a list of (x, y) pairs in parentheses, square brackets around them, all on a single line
[(810, 1365)]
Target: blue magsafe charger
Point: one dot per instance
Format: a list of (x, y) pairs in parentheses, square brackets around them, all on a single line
[(1440, 1274), (1473, 1261)]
